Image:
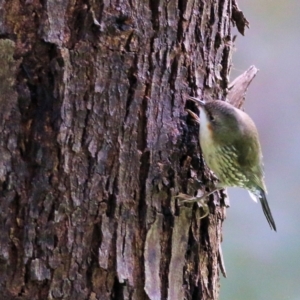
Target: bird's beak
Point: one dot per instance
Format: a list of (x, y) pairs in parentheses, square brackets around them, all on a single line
[(201, 103), (194, 116)]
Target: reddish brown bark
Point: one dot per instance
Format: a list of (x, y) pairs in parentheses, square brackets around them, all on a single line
[(95, 142)]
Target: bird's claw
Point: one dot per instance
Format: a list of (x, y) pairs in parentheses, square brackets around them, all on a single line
[(185, 198), (190, 199)]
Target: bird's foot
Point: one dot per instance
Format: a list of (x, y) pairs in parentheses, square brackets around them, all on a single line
[(190, 199)]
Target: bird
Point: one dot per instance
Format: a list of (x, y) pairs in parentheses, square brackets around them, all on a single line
[(230, 146)]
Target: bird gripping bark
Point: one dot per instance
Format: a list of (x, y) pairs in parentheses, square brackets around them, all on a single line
[(231, 149)]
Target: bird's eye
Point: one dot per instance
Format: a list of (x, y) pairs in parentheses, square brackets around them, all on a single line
[(211, 117)]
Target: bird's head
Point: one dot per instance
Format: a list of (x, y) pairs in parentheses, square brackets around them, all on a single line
[(220, 118)]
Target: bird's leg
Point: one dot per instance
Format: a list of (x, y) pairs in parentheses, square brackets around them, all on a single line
[(202, 200), (191, 199)]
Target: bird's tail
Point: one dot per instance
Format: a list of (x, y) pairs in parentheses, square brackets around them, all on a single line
[(261, 195)]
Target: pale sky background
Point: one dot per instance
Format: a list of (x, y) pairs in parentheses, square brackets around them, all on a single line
[(262, 264)]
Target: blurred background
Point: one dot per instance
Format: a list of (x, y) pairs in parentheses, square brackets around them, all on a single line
[(262, 264)]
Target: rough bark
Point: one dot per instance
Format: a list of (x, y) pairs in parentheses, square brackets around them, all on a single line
[(95, 142)]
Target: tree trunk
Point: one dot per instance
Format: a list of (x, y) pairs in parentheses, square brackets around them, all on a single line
[(95, 142)]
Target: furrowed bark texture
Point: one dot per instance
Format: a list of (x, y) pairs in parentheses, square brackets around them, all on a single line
[(94, 142)]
